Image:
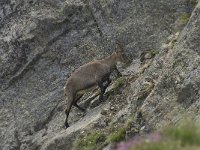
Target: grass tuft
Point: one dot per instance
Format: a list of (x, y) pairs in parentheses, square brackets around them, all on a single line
[(184, 18), (184, 137), (119, 82), (117, 136), (187, 134), (193, 2), (90, 141)]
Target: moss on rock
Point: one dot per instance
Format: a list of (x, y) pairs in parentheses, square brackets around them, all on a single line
[(90, 141), (117, 136), (119, 82)]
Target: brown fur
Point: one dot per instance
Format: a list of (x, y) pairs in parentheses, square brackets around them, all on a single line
[(94, 73)]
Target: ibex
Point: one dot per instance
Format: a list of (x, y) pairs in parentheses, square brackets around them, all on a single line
[(94, 73)]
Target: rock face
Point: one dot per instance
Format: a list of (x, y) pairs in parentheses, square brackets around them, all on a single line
[(42, 42)]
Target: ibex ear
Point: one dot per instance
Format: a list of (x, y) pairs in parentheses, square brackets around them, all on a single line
[(119, 47)]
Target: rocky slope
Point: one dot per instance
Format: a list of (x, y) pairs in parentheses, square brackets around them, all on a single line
[(41, 43)]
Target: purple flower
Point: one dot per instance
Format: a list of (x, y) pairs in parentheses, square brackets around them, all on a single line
[(153, 137)]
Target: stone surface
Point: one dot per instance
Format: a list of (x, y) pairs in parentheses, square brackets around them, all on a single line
[(42, 42)]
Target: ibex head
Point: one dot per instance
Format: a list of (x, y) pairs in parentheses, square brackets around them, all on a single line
[(120, 54)]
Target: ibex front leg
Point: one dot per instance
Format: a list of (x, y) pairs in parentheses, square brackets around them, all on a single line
[(117, 71), (108, 81), (103, 89)]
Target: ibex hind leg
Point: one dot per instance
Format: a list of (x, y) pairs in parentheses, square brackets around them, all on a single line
[(67, 110), (75, 102), (66, 122), (80, 108), (67, 114)]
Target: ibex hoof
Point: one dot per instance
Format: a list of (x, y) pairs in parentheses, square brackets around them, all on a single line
[(101, 99), (66, 125), (83, 110), (119, 75)]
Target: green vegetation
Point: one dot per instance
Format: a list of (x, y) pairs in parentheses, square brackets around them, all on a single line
[(119, 82), (180, 23), (89, 47), (145, 92), (186, 134), (101, 138), (193, 2), (90, 141), (112, 133), (184, 18), (184, 137), (117, 136), (120, 134), (153, 52), (103, 112)]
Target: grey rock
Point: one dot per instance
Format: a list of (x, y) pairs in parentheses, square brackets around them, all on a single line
[(42, 42)]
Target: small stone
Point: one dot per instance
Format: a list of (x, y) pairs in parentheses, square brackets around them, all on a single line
[(82, 132), (79, 114), (112, 108), (142, 128), (148, 56), (104, 112)]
